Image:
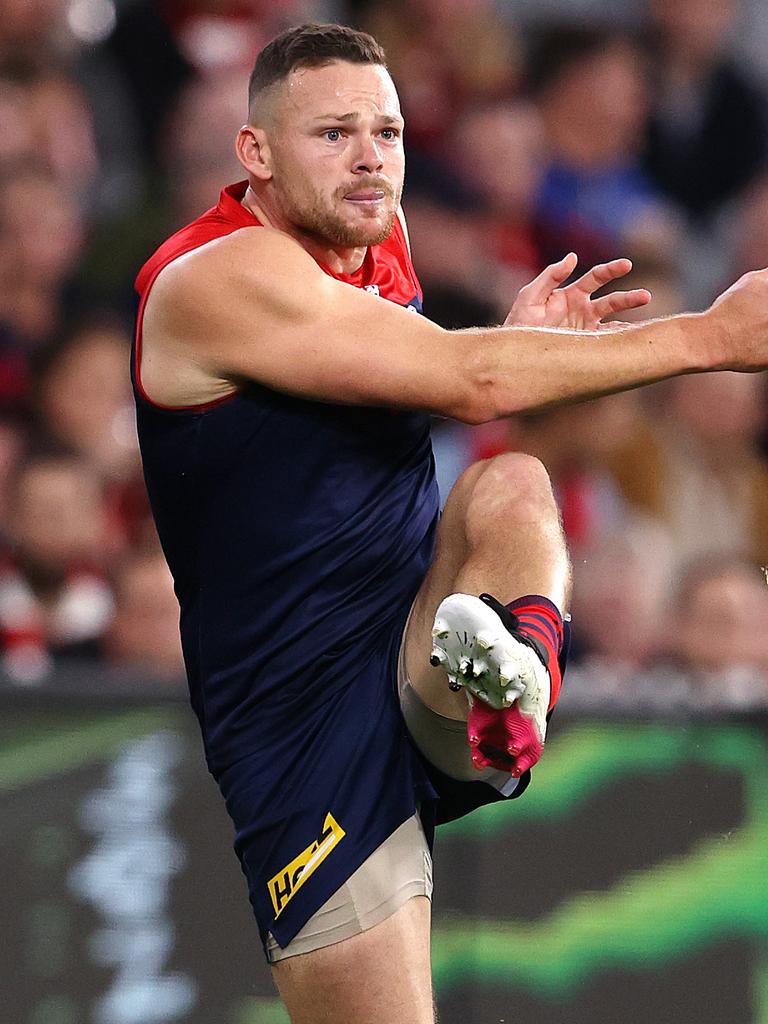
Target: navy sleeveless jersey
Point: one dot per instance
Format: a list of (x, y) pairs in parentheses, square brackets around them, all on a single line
[(297, 534)]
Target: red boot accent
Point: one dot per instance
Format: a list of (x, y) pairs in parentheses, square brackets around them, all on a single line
[(538, 620), (506, 739)]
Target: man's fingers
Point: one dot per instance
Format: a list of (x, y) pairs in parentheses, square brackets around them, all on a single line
[(618, 302), (541, 287), (601, 274)]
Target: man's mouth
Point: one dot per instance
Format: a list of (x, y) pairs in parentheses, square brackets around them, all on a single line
[(368, 195)]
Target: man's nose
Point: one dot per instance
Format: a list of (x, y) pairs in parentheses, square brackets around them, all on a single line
[(368, 156)]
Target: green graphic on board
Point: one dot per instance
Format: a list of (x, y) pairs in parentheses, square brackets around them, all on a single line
[(720, 890), (29, 759), (650, 918)]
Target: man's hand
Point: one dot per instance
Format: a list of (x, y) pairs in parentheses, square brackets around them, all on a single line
[(740, 317), (544, 303)]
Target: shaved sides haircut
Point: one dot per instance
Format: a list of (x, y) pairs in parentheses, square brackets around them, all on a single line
[(310, 46)]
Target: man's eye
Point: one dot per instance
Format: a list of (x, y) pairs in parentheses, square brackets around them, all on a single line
[(332, 134), (390, 134)]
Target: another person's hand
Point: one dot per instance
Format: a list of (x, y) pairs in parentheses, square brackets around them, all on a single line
[(545, 303)]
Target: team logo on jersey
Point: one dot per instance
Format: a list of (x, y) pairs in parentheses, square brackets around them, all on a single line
[(286, 883)]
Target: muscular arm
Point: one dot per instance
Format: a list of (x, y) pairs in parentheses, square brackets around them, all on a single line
[(255, 305)]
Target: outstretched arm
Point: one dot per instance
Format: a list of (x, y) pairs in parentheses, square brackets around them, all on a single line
[(255, 305)]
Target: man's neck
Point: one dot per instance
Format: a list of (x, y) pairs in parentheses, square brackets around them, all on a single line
[(339, 259)]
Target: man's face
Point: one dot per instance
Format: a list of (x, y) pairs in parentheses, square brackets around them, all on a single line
[(336, 143)]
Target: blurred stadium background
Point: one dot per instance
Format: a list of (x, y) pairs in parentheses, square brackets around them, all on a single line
[(631, 884)]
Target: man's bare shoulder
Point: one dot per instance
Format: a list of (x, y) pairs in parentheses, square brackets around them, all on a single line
[(256, 306), (212, 298), (258, 257)]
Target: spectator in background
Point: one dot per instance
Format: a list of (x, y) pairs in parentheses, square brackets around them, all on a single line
[(720, 637), (158, 49), (42, 234), (62, 132), (54, 599), (591, 87), (700, 470), (163, 69), (84, 405), (622, 583), (197, 151), (144, 54), (143, 638), (705, 652), (47, 124), (750, 237), (84, 396), (501, 156), (446, 56), (498, 162), (706, 136), (579, 446)]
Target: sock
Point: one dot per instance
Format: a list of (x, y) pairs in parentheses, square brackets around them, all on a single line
[(538, 620)]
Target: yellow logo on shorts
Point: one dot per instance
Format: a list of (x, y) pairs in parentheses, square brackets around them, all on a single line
[(287, 882)]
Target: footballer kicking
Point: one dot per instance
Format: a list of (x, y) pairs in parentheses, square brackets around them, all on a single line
[(362, 668)]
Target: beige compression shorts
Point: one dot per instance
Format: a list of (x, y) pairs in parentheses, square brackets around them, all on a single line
[(399, 869), (402, 866)]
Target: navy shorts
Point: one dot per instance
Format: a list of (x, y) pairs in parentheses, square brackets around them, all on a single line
[(341, 785)]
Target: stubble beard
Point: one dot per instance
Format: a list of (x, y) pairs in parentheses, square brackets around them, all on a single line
[(318, 219)]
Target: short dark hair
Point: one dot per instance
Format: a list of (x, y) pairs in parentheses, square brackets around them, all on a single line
[(311, 46)]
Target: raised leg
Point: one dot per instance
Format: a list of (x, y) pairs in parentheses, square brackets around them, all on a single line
[(500, 533)]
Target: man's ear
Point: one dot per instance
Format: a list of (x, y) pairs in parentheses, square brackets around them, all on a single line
[(253, 152)]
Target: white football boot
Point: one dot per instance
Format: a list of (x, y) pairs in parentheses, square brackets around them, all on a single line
[(480, 653)]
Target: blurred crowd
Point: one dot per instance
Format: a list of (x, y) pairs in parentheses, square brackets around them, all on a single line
[(529, 134)]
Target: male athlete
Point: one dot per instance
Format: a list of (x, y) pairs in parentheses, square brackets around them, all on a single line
[(361, 671)]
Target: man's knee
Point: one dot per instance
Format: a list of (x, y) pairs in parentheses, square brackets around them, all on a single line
[(514, 471), (513, 487)]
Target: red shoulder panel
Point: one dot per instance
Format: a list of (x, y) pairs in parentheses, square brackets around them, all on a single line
[(386, 271)]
